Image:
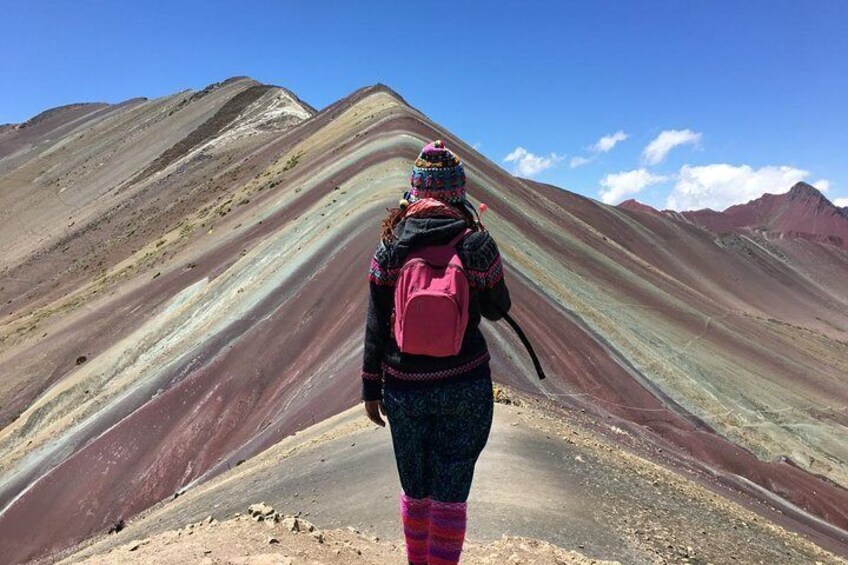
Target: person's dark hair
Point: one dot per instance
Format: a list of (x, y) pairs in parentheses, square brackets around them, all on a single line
[(395, 215)]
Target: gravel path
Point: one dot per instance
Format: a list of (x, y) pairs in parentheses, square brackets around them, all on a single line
[(542, 476)]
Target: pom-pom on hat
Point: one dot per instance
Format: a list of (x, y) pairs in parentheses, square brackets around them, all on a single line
[(439, 174)]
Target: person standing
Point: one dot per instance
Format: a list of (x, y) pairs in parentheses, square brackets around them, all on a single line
[(426, 362)]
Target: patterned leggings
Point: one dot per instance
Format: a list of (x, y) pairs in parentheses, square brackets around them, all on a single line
[(438, 434)]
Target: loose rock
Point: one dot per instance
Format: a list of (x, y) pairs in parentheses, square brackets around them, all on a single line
[(135, 544), (291, 524)]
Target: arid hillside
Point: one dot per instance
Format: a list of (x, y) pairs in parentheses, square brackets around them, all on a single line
[(555, 479), (186, 282)]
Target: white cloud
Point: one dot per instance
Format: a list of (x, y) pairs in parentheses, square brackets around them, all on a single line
[(526, 164), (721, 185), (603, 145), (617, 185), (607, 142), (476, 146), (841, 202), (578, 162), (822, 184), (658, 149)]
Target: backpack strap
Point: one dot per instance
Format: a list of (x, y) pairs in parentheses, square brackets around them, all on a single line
[(438, 254), (459, 237), (526, 342)]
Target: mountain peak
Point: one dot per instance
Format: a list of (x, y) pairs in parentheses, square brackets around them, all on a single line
[(803, 211), (376, 88), (633, 204), (805, 191)]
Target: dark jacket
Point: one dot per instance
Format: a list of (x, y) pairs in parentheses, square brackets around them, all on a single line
[(488, 298)]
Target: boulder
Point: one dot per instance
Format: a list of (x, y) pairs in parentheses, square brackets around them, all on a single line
[(260, 511)]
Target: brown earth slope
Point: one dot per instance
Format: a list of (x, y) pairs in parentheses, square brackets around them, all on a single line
[(176, 302), (546, 473)]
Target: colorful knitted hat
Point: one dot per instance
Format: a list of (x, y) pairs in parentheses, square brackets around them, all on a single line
[(437, 173)]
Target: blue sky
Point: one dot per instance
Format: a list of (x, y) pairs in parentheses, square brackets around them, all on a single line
[(734, 98)]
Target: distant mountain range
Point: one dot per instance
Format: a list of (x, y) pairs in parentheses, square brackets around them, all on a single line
[(803, 212), (183, 286)]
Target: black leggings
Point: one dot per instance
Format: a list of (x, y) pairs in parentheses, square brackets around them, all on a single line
[(438, 433)]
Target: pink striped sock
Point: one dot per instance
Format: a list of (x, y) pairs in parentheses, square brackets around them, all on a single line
[(415, 515), (447, 532)]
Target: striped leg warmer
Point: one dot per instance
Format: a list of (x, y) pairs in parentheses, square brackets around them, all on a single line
[(415, 515), (447, 532)]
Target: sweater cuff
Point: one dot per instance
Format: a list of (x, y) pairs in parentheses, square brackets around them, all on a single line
[(372, 386)]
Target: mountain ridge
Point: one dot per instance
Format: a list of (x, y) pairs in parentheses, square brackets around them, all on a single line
[(212, 257), (803, 211)]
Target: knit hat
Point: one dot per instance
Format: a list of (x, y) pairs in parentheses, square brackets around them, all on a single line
[(437, 173)]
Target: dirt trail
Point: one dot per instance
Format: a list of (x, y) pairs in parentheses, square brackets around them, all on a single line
[(243, 541), (546, 474)]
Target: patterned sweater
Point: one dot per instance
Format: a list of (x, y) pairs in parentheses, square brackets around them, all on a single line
[(488, 297)]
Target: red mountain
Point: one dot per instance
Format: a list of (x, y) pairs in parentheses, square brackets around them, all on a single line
[(801, 212), (633, 204)]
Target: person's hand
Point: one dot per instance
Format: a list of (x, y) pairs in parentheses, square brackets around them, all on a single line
[(373, 408)]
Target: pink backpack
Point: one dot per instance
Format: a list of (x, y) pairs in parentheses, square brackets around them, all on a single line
[(431, 301)]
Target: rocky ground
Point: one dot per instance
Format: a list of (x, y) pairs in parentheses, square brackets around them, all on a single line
[(546, 474), (272, 539)]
